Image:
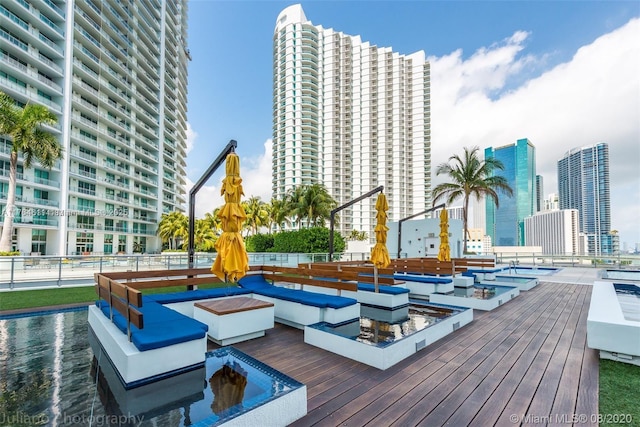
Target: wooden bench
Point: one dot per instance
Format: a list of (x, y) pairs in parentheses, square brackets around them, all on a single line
[(423, 266), (463, 264)]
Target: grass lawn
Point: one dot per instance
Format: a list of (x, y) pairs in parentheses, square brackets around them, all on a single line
[(14, 300), (619, 385)]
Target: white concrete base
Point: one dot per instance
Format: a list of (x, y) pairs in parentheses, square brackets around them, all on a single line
[(134, 365), (425, 289), (378, 298), (235, 327), (278, 412), (385, 357), (505, 281), (389, 316), (607, 329), (365, 297), (478, 304), (462, 281), (339, 315), (299, 315), (146, 399)]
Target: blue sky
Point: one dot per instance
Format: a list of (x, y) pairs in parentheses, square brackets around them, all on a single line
[(501, 70)]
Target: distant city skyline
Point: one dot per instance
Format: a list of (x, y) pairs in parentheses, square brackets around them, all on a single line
[(499, 71)]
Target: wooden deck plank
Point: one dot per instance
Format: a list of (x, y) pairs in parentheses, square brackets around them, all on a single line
[(413, 398), (496, 366), (476, 376), (547, 391), (495, 404), (521, 399), (564, 404)]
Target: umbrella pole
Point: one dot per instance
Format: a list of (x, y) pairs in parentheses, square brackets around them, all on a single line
[(375, 278)]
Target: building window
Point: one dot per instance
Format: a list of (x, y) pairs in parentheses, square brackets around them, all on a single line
[(38, 242), (122, 244), (108, 243), (84, 243)]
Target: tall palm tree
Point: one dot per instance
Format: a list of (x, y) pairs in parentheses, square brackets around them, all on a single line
[(257, 214), (470, 176), (294, 205), (212, 220), (24, 126), (204, 237), (317, 204), (172, 227), (278, 214)]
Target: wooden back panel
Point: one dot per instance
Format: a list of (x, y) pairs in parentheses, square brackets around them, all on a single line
[(303, 277), (121, 298), (422, 266)]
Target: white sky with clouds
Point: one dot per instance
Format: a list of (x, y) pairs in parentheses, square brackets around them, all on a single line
[(489, 99)]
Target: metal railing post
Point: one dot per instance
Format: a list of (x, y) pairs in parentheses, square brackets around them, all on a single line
[(12, 269), (60, 272)]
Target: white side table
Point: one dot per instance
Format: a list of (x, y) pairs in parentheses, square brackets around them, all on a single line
[(235, 319)]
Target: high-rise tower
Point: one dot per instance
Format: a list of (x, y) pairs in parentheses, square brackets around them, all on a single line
[(352, 116), (583, 184), (505, 224), (114, 72)]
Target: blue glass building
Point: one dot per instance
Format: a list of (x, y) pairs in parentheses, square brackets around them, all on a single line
[(505, 224), (583, 184)]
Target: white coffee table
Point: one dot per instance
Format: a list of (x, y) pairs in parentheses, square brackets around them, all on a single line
[(233, 320)]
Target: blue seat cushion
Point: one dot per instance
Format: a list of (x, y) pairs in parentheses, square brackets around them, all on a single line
[(423, 279), (254, 281), (307, 298), (335, 301), (485, 270), (199, 294), (164, 334), (383, 289), (162, 326)]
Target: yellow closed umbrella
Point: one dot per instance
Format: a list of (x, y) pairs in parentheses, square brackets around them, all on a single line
[(380, 253), (444, 254), (232, 261)]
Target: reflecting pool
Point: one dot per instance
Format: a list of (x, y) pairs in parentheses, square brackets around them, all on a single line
[(49, 375)]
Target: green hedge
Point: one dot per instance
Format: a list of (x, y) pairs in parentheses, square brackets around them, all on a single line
[(307, 240)]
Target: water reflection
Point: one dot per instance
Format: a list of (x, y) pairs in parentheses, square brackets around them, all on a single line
[(379, 326), (227, 384), (49, 375)]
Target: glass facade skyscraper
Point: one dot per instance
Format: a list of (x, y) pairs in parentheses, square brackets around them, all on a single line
[(114, 72), (505, 222), (583, 184)]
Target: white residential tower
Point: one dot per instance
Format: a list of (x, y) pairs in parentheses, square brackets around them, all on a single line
[(352, 116), (114, 72)]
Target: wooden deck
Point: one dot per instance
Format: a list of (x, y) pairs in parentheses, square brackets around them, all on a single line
[(527, 358)]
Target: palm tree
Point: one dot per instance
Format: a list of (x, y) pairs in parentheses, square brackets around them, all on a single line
[(278, 214), (470, 176), (204, 237), (23, 126), (317, 204), (212, 220), (294, 204), (172, 227), (257, 214)]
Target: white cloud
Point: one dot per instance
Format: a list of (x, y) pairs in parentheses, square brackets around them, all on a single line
[(256, 174), (592, 98), (207, 199), (191, 137), (256, 181)]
